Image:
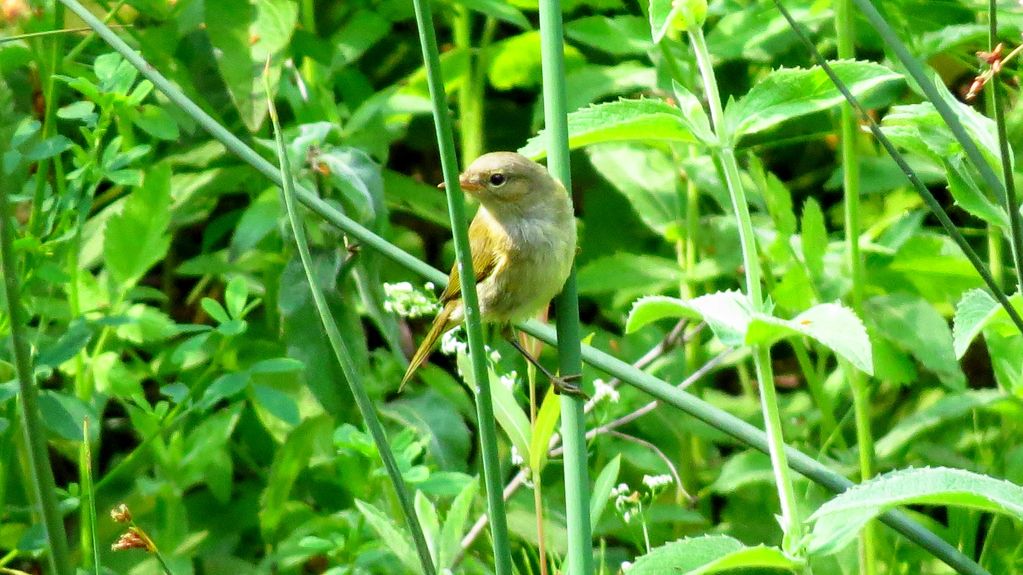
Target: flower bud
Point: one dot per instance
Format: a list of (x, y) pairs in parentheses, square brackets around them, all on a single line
[(689, 14)]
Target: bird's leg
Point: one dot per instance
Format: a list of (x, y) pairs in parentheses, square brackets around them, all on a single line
[(567, 384)]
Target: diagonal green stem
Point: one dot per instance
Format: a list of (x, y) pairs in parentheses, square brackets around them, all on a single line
[(659, 389), (1011, 203), (341, 353), (573, 419), (845, 32), (916, 70), (792, 523), (41, 475), (918, 185), (492, 476)]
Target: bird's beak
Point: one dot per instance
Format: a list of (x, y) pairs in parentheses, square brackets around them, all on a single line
[(467, 185)]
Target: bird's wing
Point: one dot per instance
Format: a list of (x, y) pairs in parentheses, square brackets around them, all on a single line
[(485, 259)]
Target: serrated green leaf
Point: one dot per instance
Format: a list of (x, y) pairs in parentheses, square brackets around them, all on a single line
[(831, 324), (973, 312), (943, 411), (838, 520), (454, 524), (709, 554), (917, 328), (394, 537), (641, 120), (789, 93)]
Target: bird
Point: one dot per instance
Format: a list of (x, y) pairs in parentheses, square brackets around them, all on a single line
[(523, 243)]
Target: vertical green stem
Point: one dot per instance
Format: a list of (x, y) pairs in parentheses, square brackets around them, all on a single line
[(42, 480), (456, 212), (791, 521), (573, 422), (1011, 204), (341, 353), (469, 108), (846, 34)]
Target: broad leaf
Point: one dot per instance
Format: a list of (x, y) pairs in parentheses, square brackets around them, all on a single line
[(839, 520), (630, 34), (646, 176), (709, 554), (976, 310), (789, 93), (136, 239), (733, 320), (543, 429), (643, 120), (917, 328)]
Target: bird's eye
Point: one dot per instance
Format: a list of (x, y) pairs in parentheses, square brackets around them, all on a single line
[(497, 180)]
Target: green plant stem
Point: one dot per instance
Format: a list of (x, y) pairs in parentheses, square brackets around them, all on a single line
[(918, 185), (943, 108), (341, 353), (792, 524), (846, 35), (573, 419), (729, 424), (470, 116), (49, 118), (816, 386), (90, 545), (1011, 203), (41, 475), (492, 475)]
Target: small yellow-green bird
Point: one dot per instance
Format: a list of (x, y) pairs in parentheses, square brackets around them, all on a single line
[(522, 241)]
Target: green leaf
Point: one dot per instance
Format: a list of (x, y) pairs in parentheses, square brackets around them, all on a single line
[(624, 271), (225, 387), (641, 120), (602, 487), (839, 520), (136, 239), (216, 311), (917, 328), (945, 410), (235, 295), (499, 9), (709, 554), (813, 236), (509, 415), (970, 196), (277, 365), (156, 122), (392, 536), (70, 343), (630, 34), (732, 319), (789, 93), (244, 34), (646, 176), (973, 312), (428, 521), (454, 524), (277, 403), (289, 461), (515, 62), (543, 429)]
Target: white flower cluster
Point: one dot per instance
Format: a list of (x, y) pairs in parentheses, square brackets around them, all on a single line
[(603, 390), (452, 344), (626, 501), (407, 301), (516, 457), (654, 482)]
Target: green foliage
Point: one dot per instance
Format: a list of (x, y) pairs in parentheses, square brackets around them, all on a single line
[(165, 304)]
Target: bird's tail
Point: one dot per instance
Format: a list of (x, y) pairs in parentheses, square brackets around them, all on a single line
[(440, 325)]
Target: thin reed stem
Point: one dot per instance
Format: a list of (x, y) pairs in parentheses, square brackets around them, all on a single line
[(573, 420), (341, 353), (492, 474)]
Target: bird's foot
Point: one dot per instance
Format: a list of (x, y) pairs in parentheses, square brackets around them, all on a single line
[(569, 385)]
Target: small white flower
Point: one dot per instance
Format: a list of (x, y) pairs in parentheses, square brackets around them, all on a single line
[(627, 516), (626, 565), (516, 457), (601, 390), (655, 481), (450, 344), (407, 301), (509, 379), (495, 356), (622, 489)]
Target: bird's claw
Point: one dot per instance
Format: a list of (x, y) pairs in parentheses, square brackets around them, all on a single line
[(569, 385)]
